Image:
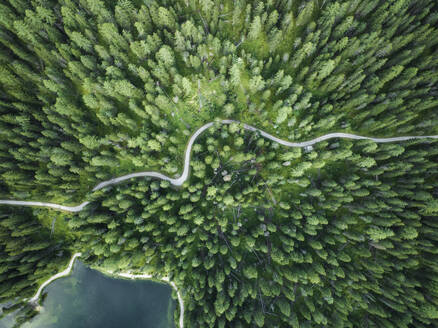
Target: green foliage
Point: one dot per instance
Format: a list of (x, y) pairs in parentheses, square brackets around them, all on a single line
[(29, 255), (339, 235)]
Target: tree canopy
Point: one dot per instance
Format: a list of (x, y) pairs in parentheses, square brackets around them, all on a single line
[(340, 234)]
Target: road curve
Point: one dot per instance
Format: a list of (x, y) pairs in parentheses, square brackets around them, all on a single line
[(179, 181), (64, 273), (176, 182)]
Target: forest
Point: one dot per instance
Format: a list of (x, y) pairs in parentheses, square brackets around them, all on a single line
[(343, 233)]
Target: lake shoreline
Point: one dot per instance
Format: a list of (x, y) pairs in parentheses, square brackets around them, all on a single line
[(116, 275), (151, 277)]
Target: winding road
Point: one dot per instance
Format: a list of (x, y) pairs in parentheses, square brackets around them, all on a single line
[(179, 181)]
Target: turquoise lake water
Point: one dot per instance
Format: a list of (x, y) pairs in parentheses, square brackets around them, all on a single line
[(89, 299)]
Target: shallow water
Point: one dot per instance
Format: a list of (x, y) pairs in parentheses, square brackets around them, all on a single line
[(89, 299)]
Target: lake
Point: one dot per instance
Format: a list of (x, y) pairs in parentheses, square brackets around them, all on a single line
[(89, 299)]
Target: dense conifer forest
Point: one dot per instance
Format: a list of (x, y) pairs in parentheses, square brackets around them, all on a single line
[(343, 233)]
